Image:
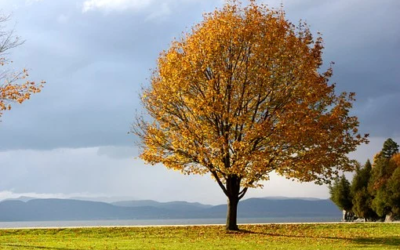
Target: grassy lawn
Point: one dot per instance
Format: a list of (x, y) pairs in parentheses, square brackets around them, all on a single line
[(274, 236)]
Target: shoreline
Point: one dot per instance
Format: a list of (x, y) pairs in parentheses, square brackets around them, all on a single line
[(19, 225), (187, 225)]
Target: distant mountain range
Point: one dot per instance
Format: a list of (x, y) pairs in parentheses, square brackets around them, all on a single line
[(28, 209)]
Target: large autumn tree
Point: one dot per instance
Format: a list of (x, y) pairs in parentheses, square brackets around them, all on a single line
[(241, 96), (15, 88)]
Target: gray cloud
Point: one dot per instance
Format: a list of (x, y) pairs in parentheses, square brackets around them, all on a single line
[(118, 152), (81, 172), (65, 172)]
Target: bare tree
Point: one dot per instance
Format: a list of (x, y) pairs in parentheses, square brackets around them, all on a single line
[(10, 90)]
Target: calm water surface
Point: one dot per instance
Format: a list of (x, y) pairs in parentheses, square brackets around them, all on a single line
[(95, 223)]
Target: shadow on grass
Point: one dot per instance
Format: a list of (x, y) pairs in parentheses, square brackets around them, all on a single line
[(20, 246), (241, 231), (384, 241), (381, 241)]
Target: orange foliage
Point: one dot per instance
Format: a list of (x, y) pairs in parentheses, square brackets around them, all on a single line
[(240, 96), (12, 92), (396, 160)]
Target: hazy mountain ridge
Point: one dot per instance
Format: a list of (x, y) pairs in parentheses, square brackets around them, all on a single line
[(175, 205), (68, 209)]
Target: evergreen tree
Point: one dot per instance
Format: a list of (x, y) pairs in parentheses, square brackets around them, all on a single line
[(362, 176), (362, 199), (390, 148), (393, 191), (380, 202), (341, 195)]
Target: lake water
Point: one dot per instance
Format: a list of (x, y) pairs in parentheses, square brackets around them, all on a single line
[(111, 223)]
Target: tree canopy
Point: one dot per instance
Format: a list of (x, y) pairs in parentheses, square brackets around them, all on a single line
[(239, 96)]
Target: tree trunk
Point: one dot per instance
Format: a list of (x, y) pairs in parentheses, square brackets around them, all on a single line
[(231, 218), (232, 187)]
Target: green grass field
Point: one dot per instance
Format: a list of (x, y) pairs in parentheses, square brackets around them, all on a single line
[(273, 236)]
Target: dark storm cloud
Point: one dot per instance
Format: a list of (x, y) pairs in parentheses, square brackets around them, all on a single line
[(363, 39)]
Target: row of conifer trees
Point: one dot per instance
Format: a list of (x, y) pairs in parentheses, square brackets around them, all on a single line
[(374, 193)]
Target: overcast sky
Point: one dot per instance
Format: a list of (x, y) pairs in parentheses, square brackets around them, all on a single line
[(71, 139)]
